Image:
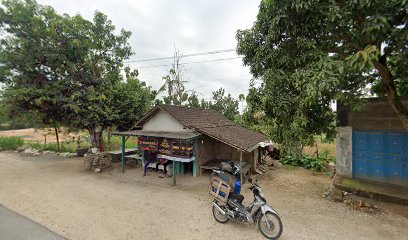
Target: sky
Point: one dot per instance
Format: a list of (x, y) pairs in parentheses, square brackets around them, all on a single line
[(158, 26)]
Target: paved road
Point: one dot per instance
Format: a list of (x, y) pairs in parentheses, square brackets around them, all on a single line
[(14, 226)]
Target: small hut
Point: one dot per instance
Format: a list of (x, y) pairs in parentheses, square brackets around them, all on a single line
[(195, 139)]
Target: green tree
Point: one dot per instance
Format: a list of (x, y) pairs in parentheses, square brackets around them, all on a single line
[(96, 75), (224, 104), (33, 60), (308, 53), (65, 69), (193, 101), (131, 100)]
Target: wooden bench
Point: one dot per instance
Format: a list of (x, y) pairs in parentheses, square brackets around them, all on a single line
[(117, 155), (169, 168), (134, 157)]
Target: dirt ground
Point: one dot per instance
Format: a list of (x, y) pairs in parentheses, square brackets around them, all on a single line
[(57, 193), (39, 135)]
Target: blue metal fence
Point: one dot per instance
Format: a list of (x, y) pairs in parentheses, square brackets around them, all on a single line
[(381, 156)]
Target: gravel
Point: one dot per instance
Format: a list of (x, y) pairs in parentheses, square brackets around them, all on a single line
[(77, 204)]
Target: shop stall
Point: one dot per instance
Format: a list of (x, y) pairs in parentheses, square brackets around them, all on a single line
[(179, 148)]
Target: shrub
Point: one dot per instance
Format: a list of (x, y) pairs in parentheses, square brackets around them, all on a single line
[(313, 163), (10, 143)]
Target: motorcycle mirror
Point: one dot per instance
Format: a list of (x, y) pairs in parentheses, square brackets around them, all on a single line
[(250, 180)]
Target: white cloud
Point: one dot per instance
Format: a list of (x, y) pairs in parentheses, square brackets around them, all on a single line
[(193, 26)]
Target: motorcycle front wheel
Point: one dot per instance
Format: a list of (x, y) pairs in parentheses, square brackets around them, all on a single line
[(218, 216), (270, 225)]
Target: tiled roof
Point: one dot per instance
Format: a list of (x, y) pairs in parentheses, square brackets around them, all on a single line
[(211, 123)]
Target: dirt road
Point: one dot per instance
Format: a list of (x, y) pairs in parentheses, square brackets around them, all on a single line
[(57, 193)]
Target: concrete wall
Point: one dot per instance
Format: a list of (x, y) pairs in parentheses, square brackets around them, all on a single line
[(163, 121), (344, 151), (376, 114)]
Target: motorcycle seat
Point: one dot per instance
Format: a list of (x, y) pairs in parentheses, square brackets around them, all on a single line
[(238, 197)]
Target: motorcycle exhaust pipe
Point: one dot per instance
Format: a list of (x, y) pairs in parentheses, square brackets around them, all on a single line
[(219, 208)]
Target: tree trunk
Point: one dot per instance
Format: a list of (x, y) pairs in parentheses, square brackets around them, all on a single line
[(94, 140), (109, 134), (57, 136), (101, 142), (97, 139), (317, 149), (390, 90)]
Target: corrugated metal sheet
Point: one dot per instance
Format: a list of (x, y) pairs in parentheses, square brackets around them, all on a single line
[(381, 156)]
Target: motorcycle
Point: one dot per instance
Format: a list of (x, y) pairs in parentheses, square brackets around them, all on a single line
[(258, 213)]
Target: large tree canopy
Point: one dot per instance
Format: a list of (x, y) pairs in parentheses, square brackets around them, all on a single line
[(305, 54), (66, 69)]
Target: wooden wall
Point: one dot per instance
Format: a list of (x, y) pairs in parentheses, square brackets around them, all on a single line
[(211, 149)]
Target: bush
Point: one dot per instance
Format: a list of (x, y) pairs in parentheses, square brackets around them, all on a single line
[(313, 163), (10, 143)]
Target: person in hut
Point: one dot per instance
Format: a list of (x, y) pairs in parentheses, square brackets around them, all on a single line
[(164, 162), (151, 157)]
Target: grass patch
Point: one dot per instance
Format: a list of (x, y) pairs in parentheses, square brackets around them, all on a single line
[(64, 147), (318, 164), (10, 143), (325, 146), (116, 143)]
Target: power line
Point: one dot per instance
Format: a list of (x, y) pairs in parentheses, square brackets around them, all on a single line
[(214, 60), (187, 55)]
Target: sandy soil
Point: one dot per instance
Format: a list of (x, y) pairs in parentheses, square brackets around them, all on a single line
[(32, 134), (59, 194)]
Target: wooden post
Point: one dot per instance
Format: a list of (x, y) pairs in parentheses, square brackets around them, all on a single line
[(240, 164), (174, 173), (123, 153), (182, 168), (255, 154), (195, 162), (143, 158)]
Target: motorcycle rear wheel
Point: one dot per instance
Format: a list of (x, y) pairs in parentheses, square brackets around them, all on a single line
[(275, 230), (218, 216)]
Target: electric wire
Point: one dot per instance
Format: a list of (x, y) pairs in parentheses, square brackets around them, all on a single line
[(186, 55), (213, 60)]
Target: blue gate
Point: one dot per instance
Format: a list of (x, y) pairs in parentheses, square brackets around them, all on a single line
[(381, 156)]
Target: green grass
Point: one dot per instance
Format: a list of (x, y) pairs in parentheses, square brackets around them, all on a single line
[(324, 147), (64, 147), (10, 143), (116, 143)]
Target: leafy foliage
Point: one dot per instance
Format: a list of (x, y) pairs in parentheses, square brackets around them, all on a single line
[(306, 54), (131, 99), (224, 104), (313, 163), (67, 70)]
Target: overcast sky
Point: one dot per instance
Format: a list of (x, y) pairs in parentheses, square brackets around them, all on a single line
[(193, 26)]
